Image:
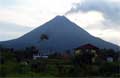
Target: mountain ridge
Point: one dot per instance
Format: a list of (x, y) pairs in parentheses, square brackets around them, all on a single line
[(62, 35)]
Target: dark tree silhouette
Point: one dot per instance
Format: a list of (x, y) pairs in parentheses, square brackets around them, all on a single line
[(44, 37)]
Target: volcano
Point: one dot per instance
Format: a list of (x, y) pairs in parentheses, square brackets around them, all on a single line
[(58, 34)]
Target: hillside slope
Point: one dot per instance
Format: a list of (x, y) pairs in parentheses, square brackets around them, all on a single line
[(61, 34)]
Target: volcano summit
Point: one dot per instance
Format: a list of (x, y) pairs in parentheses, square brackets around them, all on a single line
[(59, 34)]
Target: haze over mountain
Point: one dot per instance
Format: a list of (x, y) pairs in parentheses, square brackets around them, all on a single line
[(10, 31), (59, 34)]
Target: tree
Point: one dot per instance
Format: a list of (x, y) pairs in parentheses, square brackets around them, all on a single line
[(44, 37), (38, 66)]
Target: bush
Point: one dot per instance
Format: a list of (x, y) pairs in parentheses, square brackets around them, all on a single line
[(109, 69)]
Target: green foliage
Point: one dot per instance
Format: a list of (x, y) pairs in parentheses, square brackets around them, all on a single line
[(109, 69), (56, 67), (38, 66), (7, 56)]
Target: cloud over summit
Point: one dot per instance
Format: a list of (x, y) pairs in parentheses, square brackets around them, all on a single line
[(110, 10)]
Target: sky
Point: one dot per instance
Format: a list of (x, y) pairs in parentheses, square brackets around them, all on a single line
[(101, 18)]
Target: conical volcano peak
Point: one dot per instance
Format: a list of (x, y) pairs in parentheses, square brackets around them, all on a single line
[(62, 21), (61, 18), (57, 35)]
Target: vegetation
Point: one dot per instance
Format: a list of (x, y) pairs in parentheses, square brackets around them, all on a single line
[(21, 64), (44, 37)]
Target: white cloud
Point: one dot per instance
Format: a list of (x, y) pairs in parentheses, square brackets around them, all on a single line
[(24, 18), (114, 0), (9, 35), (11, 31), (88, 18), (34, 12), (110, 35)]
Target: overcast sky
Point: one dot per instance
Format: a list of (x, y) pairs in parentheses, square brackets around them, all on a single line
[(100, 18)]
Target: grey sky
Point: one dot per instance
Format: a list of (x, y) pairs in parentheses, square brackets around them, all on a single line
[(111, 10)]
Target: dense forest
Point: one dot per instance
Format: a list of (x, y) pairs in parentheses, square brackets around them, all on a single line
[(21, 64)]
